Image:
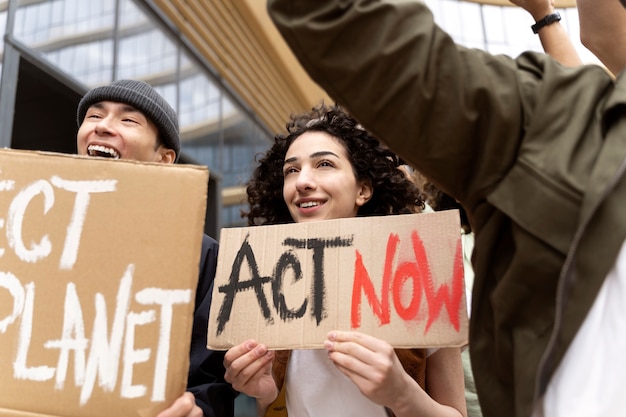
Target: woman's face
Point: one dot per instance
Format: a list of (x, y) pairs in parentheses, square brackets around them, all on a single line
[(319, 180)]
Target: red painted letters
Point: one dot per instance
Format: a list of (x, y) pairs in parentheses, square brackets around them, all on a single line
[(448, 295)]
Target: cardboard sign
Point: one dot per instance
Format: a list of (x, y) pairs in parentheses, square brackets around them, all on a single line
[(99, 264), (399, 278)]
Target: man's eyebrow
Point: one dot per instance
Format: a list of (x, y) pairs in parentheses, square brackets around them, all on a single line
[(313, 155), (98, 105), (129, 108)]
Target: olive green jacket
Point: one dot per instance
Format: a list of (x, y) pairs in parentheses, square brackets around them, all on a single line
[(534, 151)]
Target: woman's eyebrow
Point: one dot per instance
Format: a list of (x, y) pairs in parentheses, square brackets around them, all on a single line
[(313, 155), (323, 153)]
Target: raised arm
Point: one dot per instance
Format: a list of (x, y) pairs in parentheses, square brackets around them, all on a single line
[(553, 37)]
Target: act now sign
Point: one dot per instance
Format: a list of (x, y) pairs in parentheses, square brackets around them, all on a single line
[(98, 269), (399, 278)]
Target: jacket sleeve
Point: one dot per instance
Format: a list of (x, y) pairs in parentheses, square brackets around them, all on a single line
[(456, 114), (206, 369)]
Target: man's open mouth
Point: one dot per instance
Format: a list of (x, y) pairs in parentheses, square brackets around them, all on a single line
[(102, 151)]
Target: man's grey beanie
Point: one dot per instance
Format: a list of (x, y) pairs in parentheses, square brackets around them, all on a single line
[(143, 97)]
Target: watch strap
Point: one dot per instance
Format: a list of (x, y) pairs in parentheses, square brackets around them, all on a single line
[(548, 20)]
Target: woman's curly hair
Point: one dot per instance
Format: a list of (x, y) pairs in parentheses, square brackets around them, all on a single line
[(393, 191)]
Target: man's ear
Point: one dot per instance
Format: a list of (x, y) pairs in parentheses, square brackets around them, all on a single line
[(365, 193), (166, 155)]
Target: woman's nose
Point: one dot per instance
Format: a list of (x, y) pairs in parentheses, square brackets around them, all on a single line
[(306, 180)]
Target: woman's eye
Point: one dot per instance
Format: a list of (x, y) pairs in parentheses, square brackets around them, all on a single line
[(325, 163), (289, 170)]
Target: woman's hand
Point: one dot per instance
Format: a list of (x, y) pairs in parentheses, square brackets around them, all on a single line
[(371, 364), (537, 8), (249, 370)]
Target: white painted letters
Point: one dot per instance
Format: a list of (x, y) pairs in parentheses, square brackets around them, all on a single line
[(94, 333), (83, 189), (72, 338), (13, 285), (15, 218), (20, 369), (106, 349), (167, 299)]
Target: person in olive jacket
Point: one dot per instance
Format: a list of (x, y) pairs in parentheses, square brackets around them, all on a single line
[(534, 151)]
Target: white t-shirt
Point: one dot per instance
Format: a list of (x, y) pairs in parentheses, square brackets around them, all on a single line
[(590, 381), (316, 388)]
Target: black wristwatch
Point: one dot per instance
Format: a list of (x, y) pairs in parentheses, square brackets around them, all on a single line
[(548, 20)]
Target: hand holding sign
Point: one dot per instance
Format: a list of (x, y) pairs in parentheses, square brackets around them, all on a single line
[(249, 370), (371, 364)]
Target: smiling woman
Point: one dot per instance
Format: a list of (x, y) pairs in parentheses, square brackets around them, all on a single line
[(348, 149), (321, 185), (328, 167)]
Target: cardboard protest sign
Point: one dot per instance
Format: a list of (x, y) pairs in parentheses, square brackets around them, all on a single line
[(99, 264), (399, 278)]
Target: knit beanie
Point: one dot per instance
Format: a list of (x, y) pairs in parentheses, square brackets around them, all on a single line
[(144, 98)]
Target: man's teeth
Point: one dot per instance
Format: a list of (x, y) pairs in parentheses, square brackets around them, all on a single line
[(309, 204), (103, 151)]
